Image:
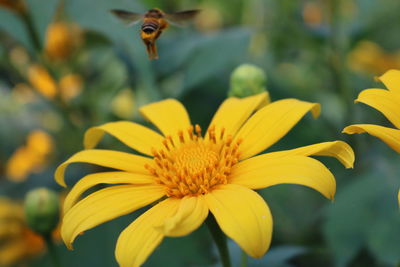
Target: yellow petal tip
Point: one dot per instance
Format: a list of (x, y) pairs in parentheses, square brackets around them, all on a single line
[(348, 130), (316, 110), (59, 176)]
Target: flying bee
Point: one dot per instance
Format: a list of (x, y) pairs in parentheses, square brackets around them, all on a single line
[(154, 22)]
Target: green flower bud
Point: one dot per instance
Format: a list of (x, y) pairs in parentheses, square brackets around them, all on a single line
[(42, 210), (247, 80)]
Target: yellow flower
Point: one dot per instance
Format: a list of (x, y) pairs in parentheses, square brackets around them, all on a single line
[(70, 86), (123, 104), (17, 242), (371, 58), (31, 157), (61, 40), (388, 103), (42, 81), (188, 175)]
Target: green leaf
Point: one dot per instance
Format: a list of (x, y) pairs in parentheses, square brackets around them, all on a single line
[(277, 256), (215, 54), (12, 25), (365, 215), (42, 15), (110, 75), (184, 251)]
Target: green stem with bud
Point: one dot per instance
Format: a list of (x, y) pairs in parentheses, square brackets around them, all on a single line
[(52, 250)]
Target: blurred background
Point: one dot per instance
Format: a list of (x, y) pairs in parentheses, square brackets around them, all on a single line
[(68, 65)]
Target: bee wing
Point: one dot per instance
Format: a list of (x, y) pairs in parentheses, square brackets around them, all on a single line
[(181, 18), (129, 18)]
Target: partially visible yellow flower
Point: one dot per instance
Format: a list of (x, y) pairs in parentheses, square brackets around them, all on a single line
[(14, 5), (17, 242), (70, 86), (40, 143), (31, 157), (187, 174), (369, 57), (62, 38), (388, 103), (42, 81), (123, 104)]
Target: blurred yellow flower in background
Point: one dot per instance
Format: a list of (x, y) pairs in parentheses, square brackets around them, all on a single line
[(30, 158), (369, 57), (42, 81), (70, 86), (388, 103), (123, 104), (62, 38), (187, 174), (17, 242)]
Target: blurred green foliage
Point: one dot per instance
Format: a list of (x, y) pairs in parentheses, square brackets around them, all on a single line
[(309, 50)]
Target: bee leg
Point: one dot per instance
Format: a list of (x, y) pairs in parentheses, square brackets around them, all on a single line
[(154, 51), (148, 48)]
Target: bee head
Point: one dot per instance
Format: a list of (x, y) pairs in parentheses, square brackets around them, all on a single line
[(154, 13)]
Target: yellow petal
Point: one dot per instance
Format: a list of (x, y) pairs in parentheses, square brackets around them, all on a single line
[(105, 205), (103, 178), (390, 136), (133, 135), (140, 238), (191, 214), (169, 115), (107, 158), (391, 79), (261, 171), (243, 216), (398, 197), (385, 101), (271, 123), (233, 112), (337, 149)]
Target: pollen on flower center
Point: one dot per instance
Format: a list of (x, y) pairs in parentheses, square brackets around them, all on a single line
[(190, 164)]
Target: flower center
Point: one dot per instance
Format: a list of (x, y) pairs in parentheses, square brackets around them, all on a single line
[(191, 165)]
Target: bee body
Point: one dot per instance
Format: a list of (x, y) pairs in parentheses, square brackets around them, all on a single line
[(154, 22)]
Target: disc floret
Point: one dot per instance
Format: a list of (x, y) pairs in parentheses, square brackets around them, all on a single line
[(190, 165)]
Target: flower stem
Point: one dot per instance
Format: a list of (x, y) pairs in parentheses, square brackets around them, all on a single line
[(220, 240), (51, 248)]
